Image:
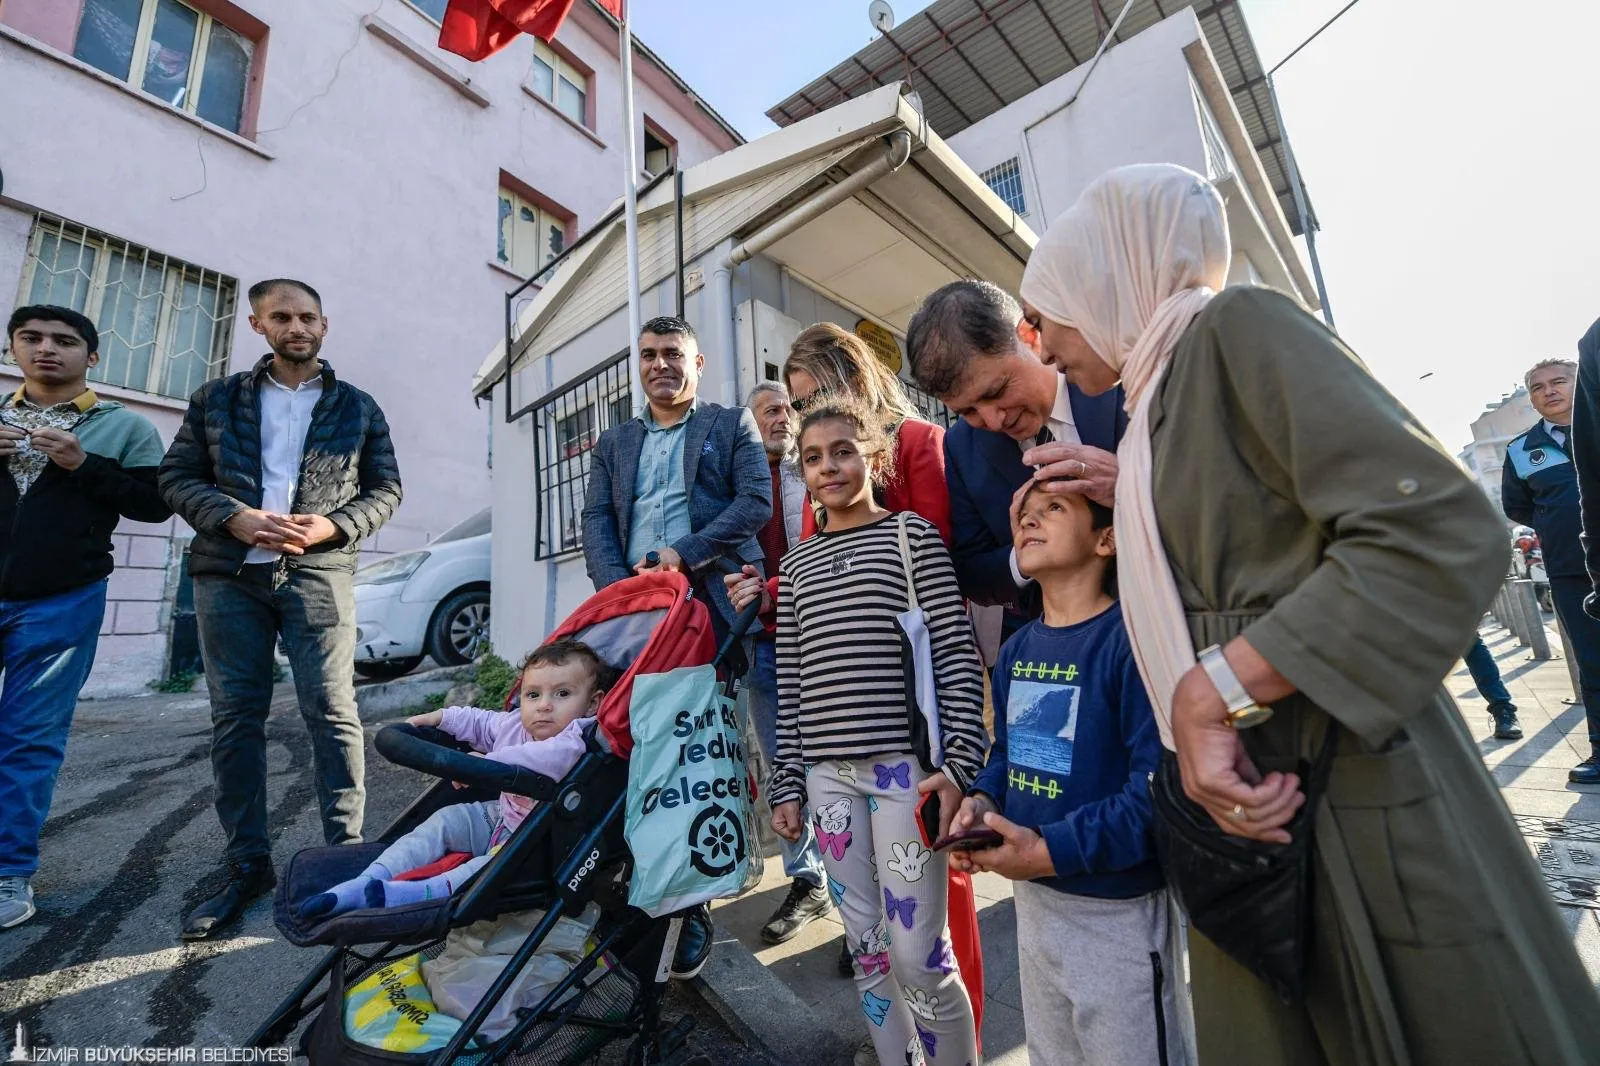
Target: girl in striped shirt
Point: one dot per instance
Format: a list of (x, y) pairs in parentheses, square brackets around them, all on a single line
[(845, 749)]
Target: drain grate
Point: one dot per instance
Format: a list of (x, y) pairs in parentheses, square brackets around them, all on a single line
[(1568, 854)]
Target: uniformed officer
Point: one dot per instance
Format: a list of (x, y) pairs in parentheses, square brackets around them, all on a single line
[(1539, 487)]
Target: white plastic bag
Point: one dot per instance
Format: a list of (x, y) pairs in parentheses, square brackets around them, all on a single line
[(474, 957)]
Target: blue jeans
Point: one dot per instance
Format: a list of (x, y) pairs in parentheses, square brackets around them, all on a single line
[(801, 859), (1486, 674), (46, 649)]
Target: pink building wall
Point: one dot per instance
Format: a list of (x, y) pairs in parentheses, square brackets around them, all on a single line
[(373, 177)]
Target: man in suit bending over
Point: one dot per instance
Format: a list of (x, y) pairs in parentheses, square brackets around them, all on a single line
[(1020, 421)]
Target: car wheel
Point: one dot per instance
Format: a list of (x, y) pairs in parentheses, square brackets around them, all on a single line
[(387, 669), (460, 628)]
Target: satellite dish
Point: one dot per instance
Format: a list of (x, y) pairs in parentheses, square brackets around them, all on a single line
[(881, 15)]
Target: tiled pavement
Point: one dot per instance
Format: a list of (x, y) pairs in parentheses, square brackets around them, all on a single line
[(1532, 773)]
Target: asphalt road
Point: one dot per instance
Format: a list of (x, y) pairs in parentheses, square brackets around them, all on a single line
[(132, 843)]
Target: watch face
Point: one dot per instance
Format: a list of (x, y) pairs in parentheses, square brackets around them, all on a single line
[(1249, 717)]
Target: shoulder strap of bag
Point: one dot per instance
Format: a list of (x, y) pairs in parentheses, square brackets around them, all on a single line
[(905, 562)]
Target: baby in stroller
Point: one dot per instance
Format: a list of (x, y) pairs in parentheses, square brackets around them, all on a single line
[(560, 685)]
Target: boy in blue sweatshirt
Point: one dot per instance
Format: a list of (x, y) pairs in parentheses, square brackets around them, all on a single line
[(1067, 786)]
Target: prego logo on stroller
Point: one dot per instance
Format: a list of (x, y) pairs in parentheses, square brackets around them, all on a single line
[(584, 871)]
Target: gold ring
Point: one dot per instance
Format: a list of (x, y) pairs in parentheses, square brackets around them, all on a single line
[(1083, 468), (1237, 814)]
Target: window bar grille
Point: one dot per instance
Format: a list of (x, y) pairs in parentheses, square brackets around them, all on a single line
[(151, 310), (567, 423), (929, 404)]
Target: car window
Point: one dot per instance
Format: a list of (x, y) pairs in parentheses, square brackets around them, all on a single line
[(476, 526)]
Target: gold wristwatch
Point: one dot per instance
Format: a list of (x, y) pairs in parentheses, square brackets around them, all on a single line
[(1243, 711)]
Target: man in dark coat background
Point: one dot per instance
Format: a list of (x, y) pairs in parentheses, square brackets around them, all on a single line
[(1539, 488)]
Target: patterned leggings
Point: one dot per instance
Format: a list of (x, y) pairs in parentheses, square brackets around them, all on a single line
[(890, 891)]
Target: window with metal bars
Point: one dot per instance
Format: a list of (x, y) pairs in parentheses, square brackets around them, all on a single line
[(930, 406), (165, 326), (1006, 181), (566, 424)]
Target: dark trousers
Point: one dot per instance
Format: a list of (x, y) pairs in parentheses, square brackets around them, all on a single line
[(1583, 644), (240, 619), (1486, 674)]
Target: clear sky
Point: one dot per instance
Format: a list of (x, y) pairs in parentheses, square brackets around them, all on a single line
[(1450, 146)]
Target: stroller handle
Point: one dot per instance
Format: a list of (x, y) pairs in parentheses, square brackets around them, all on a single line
[(433, 751)]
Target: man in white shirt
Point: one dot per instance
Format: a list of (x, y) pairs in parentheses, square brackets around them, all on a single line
[(1020, 421), (282, 471)]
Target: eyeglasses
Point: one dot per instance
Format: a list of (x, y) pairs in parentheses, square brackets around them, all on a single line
[(802, 404)]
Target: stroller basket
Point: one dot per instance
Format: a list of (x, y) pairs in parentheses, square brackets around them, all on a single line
[(571, 1033)]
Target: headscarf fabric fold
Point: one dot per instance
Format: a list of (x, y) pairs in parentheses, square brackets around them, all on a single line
[(1129, 266)]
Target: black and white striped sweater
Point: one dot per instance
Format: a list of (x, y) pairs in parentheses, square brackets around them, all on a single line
[(841, 683)]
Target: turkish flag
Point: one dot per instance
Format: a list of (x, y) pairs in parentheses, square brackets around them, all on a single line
[(478, 29)]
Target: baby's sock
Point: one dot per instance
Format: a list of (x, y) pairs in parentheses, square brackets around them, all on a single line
[(347, 895), (399, 893)]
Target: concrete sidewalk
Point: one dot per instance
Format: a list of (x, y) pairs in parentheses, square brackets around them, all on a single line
[(1532, 774)]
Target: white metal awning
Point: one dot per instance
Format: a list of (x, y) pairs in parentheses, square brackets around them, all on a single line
[(882, 249)]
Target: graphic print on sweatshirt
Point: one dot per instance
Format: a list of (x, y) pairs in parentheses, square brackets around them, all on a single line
[(1042, 725)]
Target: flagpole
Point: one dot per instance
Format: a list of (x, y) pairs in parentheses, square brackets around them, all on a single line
[(630, 208)]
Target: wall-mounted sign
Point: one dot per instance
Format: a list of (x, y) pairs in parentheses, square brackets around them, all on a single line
[(882, 342)]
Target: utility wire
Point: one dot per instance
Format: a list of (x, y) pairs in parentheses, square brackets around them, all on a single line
[(1313, 37)]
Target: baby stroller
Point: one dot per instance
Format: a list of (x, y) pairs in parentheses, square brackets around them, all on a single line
[(570, 853)]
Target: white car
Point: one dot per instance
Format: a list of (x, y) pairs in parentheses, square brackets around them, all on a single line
[(433, 601)]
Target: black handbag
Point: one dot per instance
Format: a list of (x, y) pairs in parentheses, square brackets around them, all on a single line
[(1251, 899)]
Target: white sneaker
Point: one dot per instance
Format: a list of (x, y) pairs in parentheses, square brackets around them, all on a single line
[(16, 901)]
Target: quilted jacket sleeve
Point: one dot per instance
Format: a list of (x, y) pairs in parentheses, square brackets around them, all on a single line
[(380, 484), (187, 480)]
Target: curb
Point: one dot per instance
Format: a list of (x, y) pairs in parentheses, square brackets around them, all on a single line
[(763, 1012), (382, 700)]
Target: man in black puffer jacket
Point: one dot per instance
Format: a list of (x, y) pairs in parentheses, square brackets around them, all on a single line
[(282, 471)]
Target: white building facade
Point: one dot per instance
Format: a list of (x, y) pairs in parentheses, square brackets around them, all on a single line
[(1501, 423), (979, 182), (159, 156), (1017, 92)]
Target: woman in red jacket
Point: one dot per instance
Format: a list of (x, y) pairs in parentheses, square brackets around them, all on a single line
[(828, 359)]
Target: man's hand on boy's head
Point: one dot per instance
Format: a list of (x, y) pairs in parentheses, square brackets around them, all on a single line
[(1023, 856), (1071, 468)]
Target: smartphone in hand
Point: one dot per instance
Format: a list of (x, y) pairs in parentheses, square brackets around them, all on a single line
[(928, 818), (969, 840)]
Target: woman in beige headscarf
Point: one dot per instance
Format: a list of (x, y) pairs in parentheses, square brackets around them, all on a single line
[(1275, 500)]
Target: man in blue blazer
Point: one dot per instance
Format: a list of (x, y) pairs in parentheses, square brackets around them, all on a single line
[(686, 479), (1020, 421)]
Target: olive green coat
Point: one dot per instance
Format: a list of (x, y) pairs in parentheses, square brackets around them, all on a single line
[(1302, 506)]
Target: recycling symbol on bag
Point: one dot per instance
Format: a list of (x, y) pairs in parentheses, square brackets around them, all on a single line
[(716, 841)]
